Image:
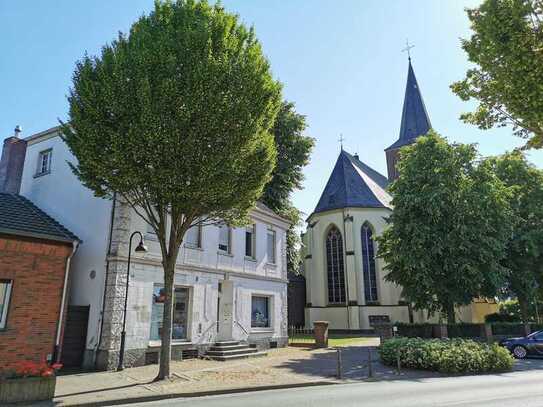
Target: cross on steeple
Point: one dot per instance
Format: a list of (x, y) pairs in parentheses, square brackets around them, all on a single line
[(341, 140), (408, 48)]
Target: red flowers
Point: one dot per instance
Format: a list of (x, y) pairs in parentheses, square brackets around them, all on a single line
[(27, 368)]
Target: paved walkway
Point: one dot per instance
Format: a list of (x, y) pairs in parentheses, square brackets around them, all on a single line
[(286, 367)]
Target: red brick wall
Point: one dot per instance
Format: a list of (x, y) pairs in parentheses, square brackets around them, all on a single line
[(37, 269)]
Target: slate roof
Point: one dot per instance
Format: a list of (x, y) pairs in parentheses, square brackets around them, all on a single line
[(19, 216), (354, 184), (415, 120)]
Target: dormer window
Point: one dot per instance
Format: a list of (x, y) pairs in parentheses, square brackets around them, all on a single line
[(44, 162)]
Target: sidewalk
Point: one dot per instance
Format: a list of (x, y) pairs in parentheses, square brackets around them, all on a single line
[(286, 367)]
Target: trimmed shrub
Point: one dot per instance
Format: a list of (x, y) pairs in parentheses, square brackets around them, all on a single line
[(446, 355), (507, 328), (422, 330), (465, 330)]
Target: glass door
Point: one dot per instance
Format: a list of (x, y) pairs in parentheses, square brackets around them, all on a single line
[(180, 313)]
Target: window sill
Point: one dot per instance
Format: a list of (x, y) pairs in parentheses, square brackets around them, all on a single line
[(226, 254), (194, 248), (158, 343), (41, 174), (261, 330), (252, 259), (273, 265)]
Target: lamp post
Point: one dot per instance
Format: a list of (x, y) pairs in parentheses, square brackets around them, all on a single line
[(139, 249)]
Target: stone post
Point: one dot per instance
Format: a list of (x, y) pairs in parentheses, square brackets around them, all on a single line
[(321, 333), (384, 330)]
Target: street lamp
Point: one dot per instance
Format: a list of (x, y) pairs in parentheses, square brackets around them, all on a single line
[(140, 248)]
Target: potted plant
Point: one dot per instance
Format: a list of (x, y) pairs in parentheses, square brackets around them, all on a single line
[(28, 381)]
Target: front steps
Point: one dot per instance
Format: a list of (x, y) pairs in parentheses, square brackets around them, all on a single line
[(232, 350)]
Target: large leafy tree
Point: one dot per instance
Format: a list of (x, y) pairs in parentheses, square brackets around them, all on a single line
[(293, 152), (524, 251), (507, 49), (175, 118), (449, 227)]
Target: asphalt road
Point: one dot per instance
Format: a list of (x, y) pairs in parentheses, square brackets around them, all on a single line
[(523, 389)]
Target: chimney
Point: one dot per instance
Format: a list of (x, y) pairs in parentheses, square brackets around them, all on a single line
[(357, 156), (12, 162)]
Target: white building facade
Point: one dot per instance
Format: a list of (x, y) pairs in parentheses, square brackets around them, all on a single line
[(230, 283)]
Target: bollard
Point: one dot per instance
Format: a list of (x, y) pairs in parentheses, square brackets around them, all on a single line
[(339, 365), (398, 363), (370, 366)]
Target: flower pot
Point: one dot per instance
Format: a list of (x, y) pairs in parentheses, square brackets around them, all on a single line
[(27, 389)]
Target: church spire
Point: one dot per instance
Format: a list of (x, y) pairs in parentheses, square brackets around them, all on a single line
[(415, 120)]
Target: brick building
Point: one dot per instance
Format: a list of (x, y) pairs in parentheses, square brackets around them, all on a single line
[(35, 253)]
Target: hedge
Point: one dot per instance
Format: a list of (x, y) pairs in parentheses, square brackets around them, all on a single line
[(420, 330), (508, 328), (465, 330), (446, 355)]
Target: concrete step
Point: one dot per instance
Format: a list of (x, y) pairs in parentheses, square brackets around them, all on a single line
[(245, 350), (230, 347), (241, 356), (226, 343)]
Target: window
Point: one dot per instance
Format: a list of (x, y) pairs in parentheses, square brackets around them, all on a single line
[(225, 237), (335, 269), (180, 313), (260, 312), (5, 292), (368, 264), (193, 237), (250, 241), (44, 162), (271, 246)]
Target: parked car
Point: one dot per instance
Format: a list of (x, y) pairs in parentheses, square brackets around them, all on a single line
[(531, 345)]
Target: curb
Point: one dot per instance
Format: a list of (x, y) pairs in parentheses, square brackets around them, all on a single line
[(142, 399)]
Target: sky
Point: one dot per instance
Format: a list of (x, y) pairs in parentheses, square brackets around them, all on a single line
[(339, 61)]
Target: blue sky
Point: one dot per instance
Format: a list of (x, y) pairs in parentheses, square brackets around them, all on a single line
[(340, 62)]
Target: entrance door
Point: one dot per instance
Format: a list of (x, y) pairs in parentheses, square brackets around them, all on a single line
[(75, 336)]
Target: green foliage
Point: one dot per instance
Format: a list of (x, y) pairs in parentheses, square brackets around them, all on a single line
[(507, 49), (510, 311), (175, 119), (293, 152), (415, 330), (446, 355), (449, 228), (524, 251)]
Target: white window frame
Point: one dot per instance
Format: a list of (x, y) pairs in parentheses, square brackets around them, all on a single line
[(49, 155), (269, 300), (198, 244), (273, 259), (252, 229), (229, 239), (7, 297)]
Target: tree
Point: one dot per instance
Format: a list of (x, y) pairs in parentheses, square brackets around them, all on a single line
[(507, 47), (449, 227), (175, 118), (293, 152), (524, 251)]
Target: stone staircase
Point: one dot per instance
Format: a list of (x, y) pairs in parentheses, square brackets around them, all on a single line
[(232, 350)]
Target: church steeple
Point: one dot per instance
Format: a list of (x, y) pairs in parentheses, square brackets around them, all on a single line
[(415, 121)]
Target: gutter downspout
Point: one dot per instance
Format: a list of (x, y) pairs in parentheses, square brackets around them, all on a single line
[(63, 302), (346, 271)]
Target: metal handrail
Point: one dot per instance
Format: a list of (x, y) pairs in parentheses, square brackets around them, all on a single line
[(242, 327), (203, 334)]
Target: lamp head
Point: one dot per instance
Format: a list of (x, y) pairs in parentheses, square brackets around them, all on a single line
[(141, 248)]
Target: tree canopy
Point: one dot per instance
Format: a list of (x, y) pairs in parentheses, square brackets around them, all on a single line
[(293, 152), (449, 227), (176, 119), (507, 49), (524, 250)]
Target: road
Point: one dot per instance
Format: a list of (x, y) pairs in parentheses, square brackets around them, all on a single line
[(512, 389)]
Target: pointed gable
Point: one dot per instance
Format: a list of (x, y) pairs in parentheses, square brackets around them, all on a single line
[(353, 184), (415, 120)]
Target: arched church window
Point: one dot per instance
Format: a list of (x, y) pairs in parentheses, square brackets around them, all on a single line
[(368, 264), (334, 264)]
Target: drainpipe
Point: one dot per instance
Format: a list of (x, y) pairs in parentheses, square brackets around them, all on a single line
[(346, 271), (63, 302)]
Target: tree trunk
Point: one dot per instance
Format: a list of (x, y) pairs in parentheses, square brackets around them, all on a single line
[(451, 316), (523, 306), (167, 319)]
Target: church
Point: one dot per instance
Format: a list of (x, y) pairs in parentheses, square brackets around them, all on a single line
[(345, 282)]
